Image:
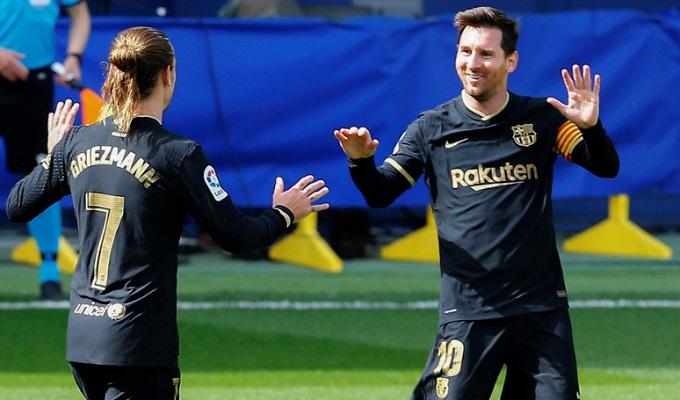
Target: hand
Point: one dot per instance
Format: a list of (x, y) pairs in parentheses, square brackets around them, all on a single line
[(11, 67), (299, 197), (60, 122), (72, 72), (356, 142), (583, 108)]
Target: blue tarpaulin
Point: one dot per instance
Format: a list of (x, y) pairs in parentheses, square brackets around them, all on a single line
[(263, 96)]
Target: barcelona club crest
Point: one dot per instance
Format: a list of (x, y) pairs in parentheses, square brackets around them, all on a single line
[(524, 135), (442, 388)]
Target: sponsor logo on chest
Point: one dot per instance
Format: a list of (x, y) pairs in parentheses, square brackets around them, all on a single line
[(484, 177)]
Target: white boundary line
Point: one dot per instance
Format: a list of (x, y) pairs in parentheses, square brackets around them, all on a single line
[(342, 305)]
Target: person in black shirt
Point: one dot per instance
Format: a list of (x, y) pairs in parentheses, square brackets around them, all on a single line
[(133, 182), (487, 157)]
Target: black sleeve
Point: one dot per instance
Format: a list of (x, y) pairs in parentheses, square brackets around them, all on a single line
[(380, 186), (231, 229), (44, 186), (597, 153)]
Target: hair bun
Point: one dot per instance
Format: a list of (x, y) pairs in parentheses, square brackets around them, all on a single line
[(124, 58)]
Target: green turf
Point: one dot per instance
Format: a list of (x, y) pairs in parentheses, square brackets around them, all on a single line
[(624, 353)]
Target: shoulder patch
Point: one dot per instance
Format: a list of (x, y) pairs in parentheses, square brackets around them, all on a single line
[(210, 179)]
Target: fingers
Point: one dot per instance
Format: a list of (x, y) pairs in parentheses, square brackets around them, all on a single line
[(596, 86), (339, 135), (581, 81), (320, 207), (316, 195), (568, 82), (71, 116), (578, 79), (60, 121), (301, 196), (303, 182), (57, 110), (556, 103), (15, 72), (318, 190), (278, 185), (347, 133), (314, 190), (587, 80), (65, 112)]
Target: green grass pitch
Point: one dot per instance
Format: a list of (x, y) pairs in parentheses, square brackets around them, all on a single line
[(350, 354)]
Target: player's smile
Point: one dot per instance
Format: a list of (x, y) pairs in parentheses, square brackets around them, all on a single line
[(483, 67), (474, 79)]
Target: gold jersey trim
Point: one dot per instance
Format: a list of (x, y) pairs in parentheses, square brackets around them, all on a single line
[(401, 170)]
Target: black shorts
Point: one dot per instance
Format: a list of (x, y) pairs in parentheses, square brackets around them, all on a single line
[(24, 107), (537, 350), (108, 382)]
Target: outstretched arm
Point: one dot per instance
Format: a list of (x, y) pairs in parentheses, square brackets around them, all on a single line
[(380, 186)]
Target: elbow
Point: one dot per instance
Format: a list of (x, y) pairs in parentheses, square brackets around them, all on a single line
[(611, 173), (610, 170), (378, 203), (14, 215), (243, 244), (13, 211), (231, 247)]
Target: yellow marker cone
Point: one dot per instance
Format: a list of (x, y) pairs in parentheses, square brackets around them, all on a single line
[(304, 246), (28, 253), (421, 245), (618, 236)]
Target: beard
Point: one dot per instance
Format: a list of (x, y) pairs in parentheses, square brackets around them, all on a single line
[(480, 95)]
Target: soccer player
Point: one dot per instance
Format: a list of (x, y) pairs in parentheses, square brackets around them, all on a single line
[(27, 37), (133, 182), (487, 157)]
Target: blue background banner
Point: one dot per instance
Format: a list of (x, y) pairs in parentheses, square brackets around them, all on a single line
[(263, 96)]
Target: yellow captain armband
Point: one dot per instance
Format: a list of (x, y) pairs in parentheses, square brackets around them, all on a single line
[(568, 136)]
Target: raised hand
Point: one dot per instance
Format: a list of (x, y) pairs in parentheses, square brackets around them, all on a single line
[(60, 122), (583, 107), (356, 142), (299, 198)]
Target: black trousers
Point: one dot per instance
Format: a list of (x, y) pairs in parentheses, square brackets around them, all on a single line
[(110, 382)]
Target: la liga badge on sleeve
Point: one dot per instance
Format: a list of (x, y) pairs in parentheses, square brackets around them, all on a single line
[(210, 179)]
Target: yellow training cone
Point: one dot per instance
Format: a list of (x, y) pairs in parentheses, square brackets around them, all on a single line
[(618, 236), (421, 245), (28, 253), (304, 246)]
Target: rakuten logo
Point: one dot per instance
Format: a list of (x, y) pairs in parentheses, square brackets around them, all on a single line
[(482, 177)]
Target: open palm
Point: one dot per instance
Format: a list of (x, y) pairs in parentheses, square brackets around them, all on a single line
[(60, 122), (583, 106)]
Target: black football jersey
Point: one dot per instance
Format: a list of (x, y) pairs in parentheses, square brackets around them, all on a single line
[(490, 181), (131, 195)]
